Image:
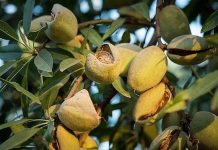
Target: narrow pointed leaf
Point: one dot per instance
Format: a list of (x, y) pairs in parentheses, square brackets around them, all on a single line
[(19, 138), (67, 63), (119, 85), (10, 52), (113, 27), (142, 8), (7, 66), (7, 32), (93, 36), (199, 88), (22, 90), (211, 22), (13, 123), (27, 15)]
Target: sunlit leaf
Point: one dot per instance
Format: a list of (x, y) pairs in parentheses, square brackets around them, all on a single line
[(113, 27), (119, 85), (212, 39), (67, 63), (19, 138), (199, 88), (21, 34), (92, 35), (13, 123), (44, 61)]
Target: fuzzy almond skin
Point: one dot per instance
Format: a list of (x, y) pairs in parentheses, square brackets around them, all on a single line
[(147, 69), (36, 24), (204, 127), (78, 113), (89, 143), (127, 53), (147, 101), (104, 73), (156, 143), (189, 43), (173, 23), (64, 25), (66, 140)]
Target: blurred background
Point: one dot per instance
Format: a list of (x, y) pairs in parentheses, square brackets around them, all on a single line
[(197, 12)]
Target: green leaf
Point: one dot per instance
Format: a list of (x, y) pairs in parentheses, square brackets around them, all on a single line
[(125, 37), (212, 39), (67, 63), (48, 133), (49, 91), (45, 74), (23, 37), (7, 32), (27, 15), (93, 36), (199, 88), (10, 52), (59, 54), (19, 138), (24, 99), (119, 85), (142, 8), (19, 66), (44, 61), (214, 101), (13, 123), (22, 90), (211, 22), (7, 66), (113, 27)]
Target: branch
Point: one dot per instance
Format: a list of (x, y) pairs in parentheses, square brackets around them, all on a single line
[(128, 21), (157, 18), (106, 101), (74, 87)]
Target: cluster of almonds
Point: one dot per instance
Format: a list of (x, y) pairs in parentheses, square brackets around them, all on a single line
[(77, 113), (144, 69)]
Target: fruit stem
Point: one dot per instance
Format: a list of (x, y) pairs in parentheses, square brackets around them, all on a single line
[(74, 87), (157, 18)]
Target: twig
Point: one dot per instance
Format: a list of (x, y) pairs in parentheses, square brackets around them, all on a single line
[(106, 101), (157, 18), (93, 22), (128, 21), (74, 87), (169, 85)]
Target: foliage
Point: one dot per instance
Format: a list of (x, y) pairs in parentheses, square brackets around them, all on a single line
[(38, 74)]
